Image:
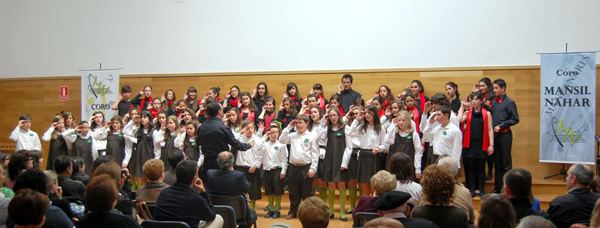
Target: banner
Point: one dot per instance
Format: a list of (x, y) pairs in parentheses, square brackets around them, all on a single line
[(568, 108), (99, 91)]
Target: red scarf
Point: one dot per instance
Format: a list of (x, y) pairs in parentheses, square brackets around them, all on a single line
[(250, 114), (149, 99), (154, 113), (422, 101), (169, 103), (342, 110), (234, 102), (386, 104), (322, 102), (415, 117), (467, 138), (381, 113), (268, 119)]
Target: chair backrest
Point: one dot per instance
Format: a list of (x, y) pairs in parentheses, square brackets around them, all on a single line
[(151, 208), (228, 215), (164, 224), (360, 218), (238, 203)]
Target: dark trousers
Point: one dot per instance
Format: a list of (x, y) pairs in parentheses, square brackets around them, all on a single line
[(475, 173), (209, 163), (300, 186), (503, 159)]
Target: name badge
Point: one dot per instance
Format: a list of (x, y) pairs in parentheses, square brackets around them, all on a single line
[(193, 143), (276, 148), (30, 134), (339, 134), (444, 133), (305, 140), (409, 137), (89, 141), (120, 135)]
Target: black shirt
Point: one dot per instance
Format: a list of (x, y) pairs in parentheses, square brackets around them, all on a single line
[(112, 218), (181, 202), (347, 98), (504, 114), (124, 107), (214, 138)]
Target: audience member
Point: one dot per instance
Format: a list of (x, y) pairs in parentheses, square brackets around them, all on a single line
[(394, 204), (578, 204), (175, 156), (181, 201), (101, 196), (381, 182), (517, 187), (55, 195), (595, 186), (534, 221), (313, 212), (79, 171), (496, 212), (36, 180), (595, 220), (438, 190), (29, 208), (154, 171), (462, 196), (383, 223), (4, 191), (21, 160), (400, 166), (100, 160), (73, 190), (229, 182)]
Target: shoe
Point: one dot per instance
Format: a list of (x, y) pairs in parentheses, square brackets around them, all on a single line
[(276, 214), (290, 216), (269, 214), (495, 191), (489, 176), (348, 212), (267, 208), (331, 216), (343, 219)]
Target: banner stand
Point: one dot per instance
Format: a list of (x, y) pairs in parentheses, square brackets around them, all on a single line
[(563, 172)]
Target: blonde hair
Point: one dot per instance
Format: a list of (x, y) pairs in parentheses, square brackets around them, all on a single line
[(313, 212), (406, 115), (153, 168), (383, 181)]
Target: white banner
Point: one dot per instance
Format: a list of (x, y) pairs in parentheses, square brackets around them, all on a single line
[(99, 91), (568, 108)]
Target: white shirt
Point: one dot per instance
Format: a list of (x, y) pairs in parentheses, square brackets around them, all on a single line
[(26, 140), (99, 134), (446, 140), (414, 189), (47, 136), (252, 156), (424, 121), (369, 139), (274, 155), (304, 148), (70, 136), (129, 131), (322, 134), (390, 139)]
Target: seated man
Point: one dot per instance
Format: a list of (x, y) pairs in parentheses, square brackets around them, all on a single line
[(462, 196), (154, 171), (229, 182), (394, 204), (175, 156), (73, 190), (187, 200), (313, 213), (517, 187), (578, 204)]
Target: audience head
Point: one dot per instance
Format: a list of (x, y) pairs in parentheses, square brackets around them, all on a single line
[(4, 159), (100, 160), (313, 213), (18, 162), (449, 163), (52, 180), (186, 172), (383, 182), (78, 165), (517, 183), (579, 176), (225, 160), (383, 223), (595, 186), (37, 158), (29, 208), (33, 179), (154, 169), (213, 109), (111, 168), (438, 185), (101, 194), (400, 165), (62, 165), (392, 202), (175, 156), (496, 212), (535, 221), (439, 99)]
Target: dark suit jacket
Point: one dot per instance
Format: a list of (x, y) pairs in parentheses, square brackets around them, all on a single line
[(226, 182), (575, 207), (72, 190)]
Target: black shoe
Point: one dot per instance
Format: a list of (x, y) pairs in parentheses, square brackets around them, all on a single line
[(276, 214), (267, 208), (269, 214), (331, 216), (348, 212), (489, 176), (343, 219), (495, 191)]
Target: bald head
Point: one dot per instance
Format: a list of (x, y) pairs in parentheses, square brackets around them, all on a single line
[(225, 160)]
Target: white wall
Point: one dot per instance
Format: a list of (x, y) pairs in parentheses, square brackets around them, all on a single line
[(58, 37)]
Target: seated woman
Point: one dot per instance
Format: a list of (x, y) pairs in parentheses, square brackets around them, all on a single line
[(382, 182), (28, 208), (438, 189), (101, 197), (154, 170)]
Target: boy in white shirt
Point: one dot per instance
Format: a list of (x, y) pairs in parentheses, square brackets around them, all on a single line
[(446, 137), (25, 138)]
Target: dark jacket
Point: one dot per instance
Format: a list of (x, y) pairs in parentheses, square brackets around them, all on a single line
[(72, 190), (181, 202), (575, 207), (226, 182), (522, 207)]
